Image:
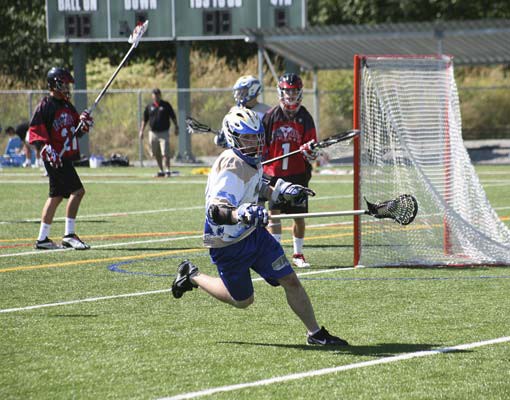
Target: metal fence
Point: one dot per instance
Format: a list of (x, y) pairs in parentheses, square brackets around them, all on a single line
[(485, 114)]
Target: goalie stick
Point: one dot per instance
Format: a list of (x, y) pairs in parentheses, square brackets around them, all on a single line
[(402, 210), (134, 39)]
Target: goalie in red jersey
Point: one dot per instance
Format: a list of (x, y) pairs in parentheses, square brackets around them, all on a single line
[(289, 127), (53, 132)]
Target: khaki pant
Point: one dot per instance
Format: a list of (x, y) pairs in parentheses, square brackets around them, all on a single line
[(160, 144)]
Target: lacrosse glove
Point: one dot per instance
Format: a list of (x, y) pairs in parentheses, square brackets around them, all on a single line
[(252, 215), (291, 193), (86, 120), (220, 140), (309, 150), (49, 154)]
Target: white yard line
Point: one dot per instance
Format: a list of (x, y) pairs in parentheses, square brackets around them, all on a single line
[(332, 370), (115, 214), (102, 246), (108, 182), (119, 296), (162, 210)]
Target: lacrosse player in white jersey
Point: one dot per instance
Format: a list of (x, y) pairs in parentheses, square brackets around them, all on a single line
[(246, 91), (235, 229)]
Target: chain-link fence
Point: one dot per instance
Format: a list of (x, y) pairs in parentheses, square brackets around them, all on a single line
[(485, 114)]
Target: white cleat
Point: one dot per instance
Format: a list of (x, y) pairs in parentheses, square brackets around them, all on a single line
[(299, 261), (75, 242)]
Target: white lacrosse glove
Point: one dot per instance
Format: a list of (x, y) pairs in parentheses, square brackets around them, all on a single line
[(291, 193), (49, 154), (252, 215), (309, 150), (86, 120), (220, 140)]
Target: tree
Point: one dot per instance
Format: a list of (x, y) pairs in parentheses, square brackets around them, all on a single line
[(24, 56)]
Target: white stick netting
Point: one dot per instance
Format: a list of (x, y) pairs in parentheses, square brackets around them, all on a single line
[(411, 142)]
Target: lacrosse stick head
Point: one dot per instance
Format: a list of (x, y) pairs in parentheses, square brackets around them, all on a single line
[(195, 126), (336, 146), (402, 210), (138, 32)]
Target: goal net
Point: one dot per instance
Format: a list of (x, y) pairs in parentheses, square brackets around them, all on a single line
[(407, 109)]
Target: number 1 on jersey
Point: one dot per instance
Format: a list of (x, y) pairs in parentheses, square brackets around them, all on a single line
[(285, 161)]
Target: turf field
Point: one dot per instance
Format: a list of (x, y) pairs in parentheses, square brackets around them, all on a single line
[(101, 324)]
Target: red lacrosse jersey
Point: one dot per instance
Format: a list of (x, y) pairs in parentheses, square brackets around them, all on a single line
[(53, 123), (284, 135)]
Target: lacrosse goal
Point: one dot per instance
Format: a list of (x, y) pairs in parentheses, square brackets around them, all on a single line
[(407, 109)]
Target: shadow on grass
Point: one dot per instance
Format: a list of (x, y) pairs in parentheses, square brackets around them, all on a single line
[(149, 249), (73, 315), (376, 350)]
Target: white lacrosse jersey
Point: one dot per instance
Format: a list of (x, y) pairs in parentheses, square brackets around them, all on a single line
[(233, 181)]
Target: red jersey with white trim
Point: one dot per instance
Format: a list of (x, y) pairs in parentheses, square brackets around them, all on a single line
[(284, 135), (54, 122)]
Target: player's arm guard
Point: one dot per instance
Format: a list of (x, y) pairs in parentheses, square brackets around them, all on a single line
[(221, 214), (265, 189)]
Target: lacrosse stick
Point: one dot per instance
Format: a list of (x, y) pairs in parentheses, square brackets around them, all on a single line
[(134, 39), (402, 210), (194, 126), (339, 137)]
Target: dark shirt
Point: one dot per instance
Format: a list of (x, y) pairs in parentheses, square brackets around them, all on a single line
[(159, 115)]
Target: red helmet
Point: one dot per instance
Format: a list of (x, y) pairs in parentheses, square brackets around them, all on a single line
[(290, 91), (59, 81)]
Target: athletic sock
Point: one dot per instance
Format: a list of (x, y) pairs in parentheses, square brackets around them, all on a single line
[(44, 231), (70, 222), (298, 245), (314, 332)]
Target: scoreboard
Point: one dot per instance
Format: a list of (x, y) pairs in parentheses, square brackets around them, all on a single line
[(82, 21)]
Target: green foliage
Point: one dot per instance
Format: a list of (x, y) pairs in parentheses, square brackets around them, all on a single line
[(24, 56), (333, 12)]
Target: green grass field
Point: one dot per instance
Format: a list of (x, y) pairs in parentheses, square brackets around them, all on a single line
[(102, 324)]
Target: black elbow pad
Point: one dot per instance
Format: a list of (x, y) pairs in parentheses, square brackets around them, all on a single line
[(221, 214)]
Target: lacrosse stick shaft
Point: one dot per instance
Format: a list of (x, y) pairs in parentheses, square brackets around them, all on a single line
[(322, 144), (319, 214), (114, 75), (103, 91), (272, 160)]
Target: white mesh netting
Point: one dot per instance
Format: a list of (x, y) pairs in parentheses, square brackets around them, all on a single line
[(411, 142)]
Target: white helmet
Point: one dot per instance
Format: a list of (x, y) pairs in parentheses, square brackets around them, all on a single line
[(244, 131), (246, 89)]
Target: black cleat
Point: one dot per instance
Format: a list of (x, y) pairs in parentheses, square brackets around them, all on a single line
[(324, 338), (182, 282), (46, 244)]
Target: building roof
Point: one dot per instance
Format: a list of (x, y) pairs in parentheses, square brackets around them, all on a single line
[(333, 47)]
